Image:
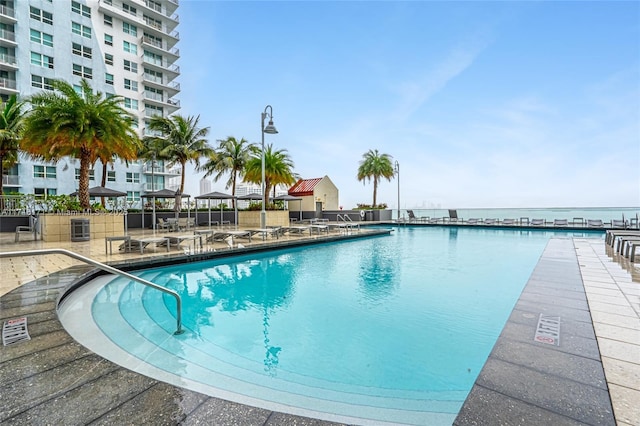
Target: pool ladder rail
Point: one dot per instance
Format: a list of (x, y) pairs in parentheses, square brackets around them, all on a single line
[(106, 268)]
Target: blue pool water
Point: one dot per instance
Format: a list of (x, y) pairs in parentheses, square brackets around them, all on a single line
[(392, 328)]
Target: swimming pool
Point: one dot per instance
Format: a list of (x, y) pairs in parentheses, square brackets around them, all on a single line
[(380, 329)]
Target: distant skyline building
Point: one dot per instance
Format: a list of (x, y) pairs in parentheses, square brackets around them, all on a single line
[(125, 48), (205, 186)]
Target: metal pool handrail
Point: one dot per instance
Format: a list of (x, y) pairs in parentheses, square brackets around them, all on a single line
[(104, 268)]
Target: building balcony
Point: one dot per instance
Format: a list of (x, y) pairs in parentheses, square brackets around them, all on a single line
[(8, 61), (163, 101), (8, 85), (161, 47), (10, 180), (162, 65), (171, 87), (7, 37), (160, 170), (7, 14), (166, 10)]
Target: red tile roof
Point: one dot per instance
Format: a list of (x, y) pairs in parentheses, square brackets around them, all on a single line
[(304, 187)]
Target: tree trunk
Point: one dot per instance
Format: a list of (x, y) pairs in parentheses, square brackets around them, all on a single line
[(233, 189), (1, 182), (83, 184), (375, 191), (103, 183), (183, 164)]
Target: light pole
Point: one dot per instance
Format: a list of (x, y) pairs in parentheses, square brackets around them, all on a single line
[(271, 129), (398, 178), (153, 190)]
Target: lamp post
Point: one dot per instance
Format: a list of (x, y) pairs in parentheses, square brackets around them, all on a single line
[(271, 129), (398, 178), (153, 190)]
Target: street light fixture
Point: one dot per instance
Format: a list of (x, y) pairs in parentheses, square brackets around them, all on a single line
[(398, 177), (271, 129)]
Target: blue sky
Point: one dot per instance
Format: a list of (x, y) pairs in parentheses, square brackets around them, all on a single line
[(483, 104)]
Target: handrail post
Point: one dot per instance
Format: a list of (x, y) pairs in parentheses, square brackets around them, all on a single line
[(106, 268)]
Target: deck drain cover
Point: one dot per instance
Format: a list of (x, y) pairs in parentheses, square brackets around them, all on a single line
[(548, 330), (14, 331)]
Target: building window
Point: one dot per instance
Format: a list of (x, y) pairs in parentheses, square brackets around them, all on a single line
[(152, 110), (48, 172), (41, 82), (82, 30), (152, 75), (41, 38), (130, 47), (92, 174), (131, 103), (133, 196), (130, 66), (108, 39), (154, 5), (82, 71), (44, 192), (108, 78), (41, 15), (80, 9), (130, 85), (108, 59), (41, 60), (80, 50), (130, 29), (133, 177), (111, 175), (152, 58), (108, 2), (129, 9), (108, 20)]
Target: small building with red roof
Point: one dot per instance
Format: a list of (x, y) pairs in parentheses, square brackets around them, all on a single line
[(317, 194)]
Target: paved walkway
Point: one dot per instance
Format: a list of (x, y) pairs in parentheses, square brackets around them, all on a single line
[(57, 371)]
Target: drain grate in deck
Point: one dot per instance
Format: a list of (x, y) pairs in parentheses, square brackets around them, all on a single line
[(14, 331)]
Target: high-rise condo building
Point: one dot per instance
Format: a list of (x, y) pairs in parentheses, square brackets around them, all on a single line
[(121, 47)]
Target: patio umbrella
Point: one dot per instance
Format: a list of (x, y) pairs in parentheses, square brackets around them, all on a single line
[(215, 195), (101, 191), (163, 194), (287, 197)]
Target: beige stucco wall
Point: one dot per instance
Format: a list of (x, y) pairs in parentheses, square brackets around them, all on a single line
[(55, 227), (251, 219), (325, 192)]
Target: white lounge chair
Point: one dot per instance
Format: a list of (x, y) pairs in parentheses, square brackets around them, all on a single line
[(537, 222), (595, 223), (560, 222), (508, 222)]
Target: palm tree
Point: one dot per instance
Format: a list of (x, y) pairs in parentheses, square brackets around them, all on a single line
[(278, 169), (181, 141), (81, 125), (374, 166), (11, 124), (231, 157)]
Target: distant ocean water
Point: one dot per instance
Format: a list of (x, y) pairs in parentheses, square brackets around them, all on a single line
[(548, 214)]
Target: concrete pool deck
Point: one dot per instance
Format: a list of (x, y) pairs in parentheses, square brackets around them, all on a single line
[(52, 379)]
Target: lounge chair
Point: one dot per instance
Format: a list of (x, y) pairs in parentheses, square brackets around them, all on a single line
[(412, 217), (537, 222), (434, 220), (177, 240), (31, 229), (165, 224), (473, 221), (297, 230), (595, 223), (560, 222), (618, 224), (142, 243), (489, 222), (453, 217), (508, 222)]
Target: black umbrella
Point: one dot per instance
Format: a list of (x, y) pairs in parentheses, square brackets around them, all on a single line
[(253, 196), (215, 195), (287, 197), (101, 191)]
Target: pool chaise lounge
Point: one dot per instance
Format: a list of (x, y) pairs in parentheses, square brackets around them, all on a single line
[(560, 222), (143, 243)]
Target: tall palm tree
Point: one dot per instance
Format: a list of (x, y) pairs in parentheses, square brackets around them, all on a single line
[(11, 124), (181, 141), (278, 169), (231, 157), (373, 167), (81, 125)]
